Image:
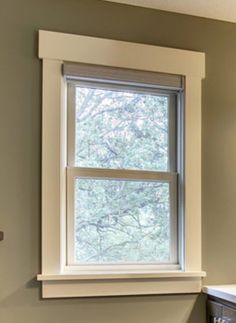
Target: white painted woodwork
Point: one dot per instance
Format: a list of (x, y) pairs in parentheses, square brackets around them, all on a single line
[(54, 49), (100, 51)]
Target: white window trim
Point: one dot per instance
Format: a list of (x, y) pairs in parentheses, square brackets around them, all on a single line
[(56, 48)]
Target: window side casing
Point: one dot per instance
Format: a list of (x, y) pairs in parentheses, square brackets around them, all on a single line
[(56, 48)]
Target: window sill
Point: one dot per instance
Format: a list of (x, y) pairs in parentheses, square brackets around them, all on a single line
[(90, 285)]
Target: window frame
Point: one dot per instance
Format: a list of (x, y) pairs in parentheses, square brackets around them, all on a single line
[(169, 176), (57, 280)]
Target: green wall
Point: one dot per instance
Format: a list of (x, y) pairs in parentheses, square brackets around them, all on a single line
[(20, 142)]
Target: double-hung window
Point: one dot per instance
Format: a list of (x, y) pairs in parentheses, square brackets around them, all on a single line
[(122, 170), (121, 167)]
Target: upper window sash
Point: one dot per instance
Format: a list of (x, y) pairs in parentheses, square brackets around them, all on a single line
[(172, 102)]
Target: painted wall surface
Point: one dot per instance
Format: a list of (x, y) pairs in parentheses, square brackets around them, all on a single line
[(20, 146)]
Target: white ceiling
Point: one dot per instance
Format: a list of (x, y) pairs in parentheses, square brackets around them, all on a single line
[(216, 9)]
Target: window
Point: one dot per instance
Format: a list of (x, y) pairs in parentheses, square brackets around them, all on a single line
[(121, 168), (122, 171)]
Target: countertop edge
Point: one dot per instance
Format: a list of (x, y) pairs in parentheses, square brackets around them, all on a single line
[(225, 292)]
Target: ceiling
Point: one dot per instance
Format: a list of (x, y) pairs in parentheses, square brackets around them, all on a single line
[(215, 9)]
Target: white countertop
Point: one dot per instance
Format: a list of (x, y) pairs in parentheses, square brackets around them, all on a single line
[(226, 292)]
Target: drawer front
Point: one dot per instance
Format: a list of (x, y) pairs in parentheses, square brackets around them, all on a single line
[(229, 315), (214, 309)]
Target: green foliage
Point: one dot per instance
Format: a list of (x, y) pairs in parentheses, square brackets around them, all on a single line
[(121, 221), (121, 130)]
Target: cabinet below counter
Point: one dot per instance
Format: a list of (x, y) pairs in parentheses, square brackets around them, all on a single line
[(221, 303)]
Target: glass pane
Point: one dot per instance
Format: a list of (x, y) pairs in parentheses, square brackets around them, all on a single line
[(121, 129), (121, 221)]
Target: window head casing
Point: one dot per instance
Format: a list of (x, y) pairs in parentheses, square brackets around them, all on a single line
[(57, 276)]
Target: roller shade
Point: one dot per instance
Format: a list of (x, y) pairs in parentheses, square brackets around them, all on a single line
[(122, 75)]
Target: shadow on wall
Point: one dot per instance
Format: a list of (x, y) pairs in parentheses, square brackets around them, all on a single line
[(198, 313)]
